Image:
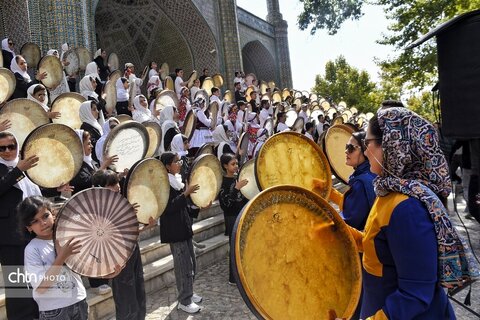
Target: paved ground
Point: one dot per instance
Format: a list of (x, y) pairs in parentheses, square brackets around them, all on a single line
[(222, 301)]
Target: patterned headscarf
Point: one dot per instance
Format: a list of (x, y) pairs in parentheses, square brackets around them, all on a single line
[(414, 165)]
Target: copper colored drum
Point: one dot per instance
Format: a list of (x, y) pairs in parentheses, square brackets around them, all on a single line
[(84, 57), (129, 141), (249, 90), (155, 137), (68, 104), (294, 257), (207, 85), (113, 61), (291, 158), (336, 138), (74, 62), (207, 173), (248, 172), (218, 80), (7, 84), (107, 227), (148, 186), (32, 54), (60, 154), (189, 124), (25, 115), (54, 69)]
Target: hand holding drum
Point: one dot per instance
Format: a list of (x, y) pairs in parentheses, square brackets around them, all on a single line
[(240, 184), (27, 163), (192, 188)]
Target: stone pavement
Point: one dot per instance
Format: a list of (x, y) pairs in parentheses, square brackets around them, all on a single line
[(222, 301)]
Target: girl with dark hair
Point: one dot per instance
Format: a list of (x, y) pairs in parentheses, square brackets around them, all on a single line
[(231, 199), (176, 230), (23, 80), (92, 121), (56, 289), (123, 96), (410, 248)]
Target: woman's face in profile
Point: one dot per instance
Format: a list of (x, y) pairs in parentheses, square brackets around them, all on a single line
[(374, 153)]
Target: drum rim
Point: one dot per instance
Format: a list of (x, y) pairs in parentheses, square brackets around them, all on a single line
[(197, 161), (203, 147), (30, 44), (190, 114), (158, 130), (60, 70), (249, 162), (244, 135)]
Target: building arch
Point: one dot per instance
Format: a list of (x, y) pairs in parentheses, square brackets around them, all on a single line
[(258, 60)]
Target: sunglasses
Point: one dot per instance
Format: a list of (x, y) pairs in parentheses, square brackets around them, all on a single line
[(351, 147), (9, 147), (366, 142)]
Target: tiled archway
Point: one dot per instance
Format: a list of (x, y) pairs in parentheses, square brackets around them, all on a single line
[(258, 60)]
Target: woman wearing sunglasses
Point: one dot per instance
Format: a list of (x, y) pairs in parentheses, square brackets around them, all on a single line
[(410, 248)]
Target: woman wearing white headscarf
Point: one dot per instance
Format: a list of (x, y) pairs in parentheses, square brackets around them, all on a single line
[(71, 80), (221, 141), (100, 59), (168, 120), (88, 86), (153, 83), (38, 93), (23, 81), (92, 70), (92, 121), (123, 96), (109, 124), (7, 52), (63, 86), (202, 133), (180, 146), (141, 113)]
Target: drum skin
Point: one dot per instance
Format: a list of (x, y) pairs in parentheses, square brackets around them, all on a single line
[(213, 108), (169, 84), (123, 118), (107, 227), (336, 138), (84, 57), (166, 98), (148, 186), (164, 71), (208, 174), (192, 78), (206, 148), (68, 104), (218, 80), (25, 115), (242, 148), (74, 65), (294, 257), (291, 158), (32, 54), (189, 125), (59, 151), (111, 95), (155, 137), (207, 85), (247, 171), (113, 61), (54, 69), (7, 84)]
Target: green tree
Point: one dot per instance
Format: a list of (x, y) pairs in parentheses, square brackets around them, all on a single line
[(422, 104), (410, 19)]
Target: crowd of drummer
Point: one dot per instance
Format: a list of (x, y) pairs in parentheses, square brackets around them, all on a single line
[(396, 284)]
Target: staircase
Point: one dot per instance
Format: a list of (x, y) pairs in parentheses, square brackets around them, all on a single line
[(158, 262)]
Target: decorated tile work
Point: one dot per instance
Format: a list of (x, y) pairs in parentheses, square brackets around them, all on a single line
[(14, 24)]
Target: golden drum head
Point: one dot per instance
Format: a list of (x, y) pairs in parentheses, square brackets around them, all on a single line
[(207, 85), (107, 227), (129, 141), (285, 94), (113, 61), (164, 71), (218, 80), (336, 138), (295, 258), (291, 158), (123, 118), (338, 120), (276, 97), (147, 185), (25, 115), (249, 90), (111, 95), (228, 96), (248, 172), (7, 84), (155, 137), (54, 69), (32, 54), (169, 84), (60, 154), (207, 173), (84, 57), (68, 104), (189, 124), (213, 108), (192, 78), (74, 62), (263, 87)]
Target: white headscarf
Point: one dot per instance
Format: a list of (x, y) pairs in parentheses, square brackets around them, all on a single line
[(6, 47), (30, 96), (141, 114), (28, 188), (64, 49), (87, 159), (177, 145), (97, 53), (154, 82), (87, 116), (53, 52), (101, 141), (176, 181), (122, 93), (86, 88), (166, 121), (92, 70), (219, 135), (16, 69)]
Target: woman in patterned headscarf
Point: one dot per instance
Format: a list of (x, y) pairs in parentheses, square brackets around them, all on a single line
[(410, 248)]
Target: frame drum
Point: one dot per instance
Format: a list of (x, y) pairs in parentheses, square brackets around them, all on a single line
[(60, 154), (123, 118), (84, 57), (1, 61), (166, 98), (249, 90), (189, 124), (110, 90), (155, 137), (247, 171), (228, 96), (147, 185), (298, 240), (192, 78), (105, 223), (72, 57), (169, 84), (113, 62), (25, 115), (164, 71), (336, 138), (242, 148), (269, 126), (213, 108), (7, 84), (208, 174), (291, 117), (32, 54), (68, 104), (298, 124), (204, 95), (291, 158), (54, 69), (207, 85), (206, 148), (218, 80), (129, 141), (285, 94)]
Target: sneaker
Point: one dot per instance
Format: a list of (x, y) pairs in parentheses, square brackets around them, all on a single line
[(196, 298), (103, 289), (199, 245), (191, 308)]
